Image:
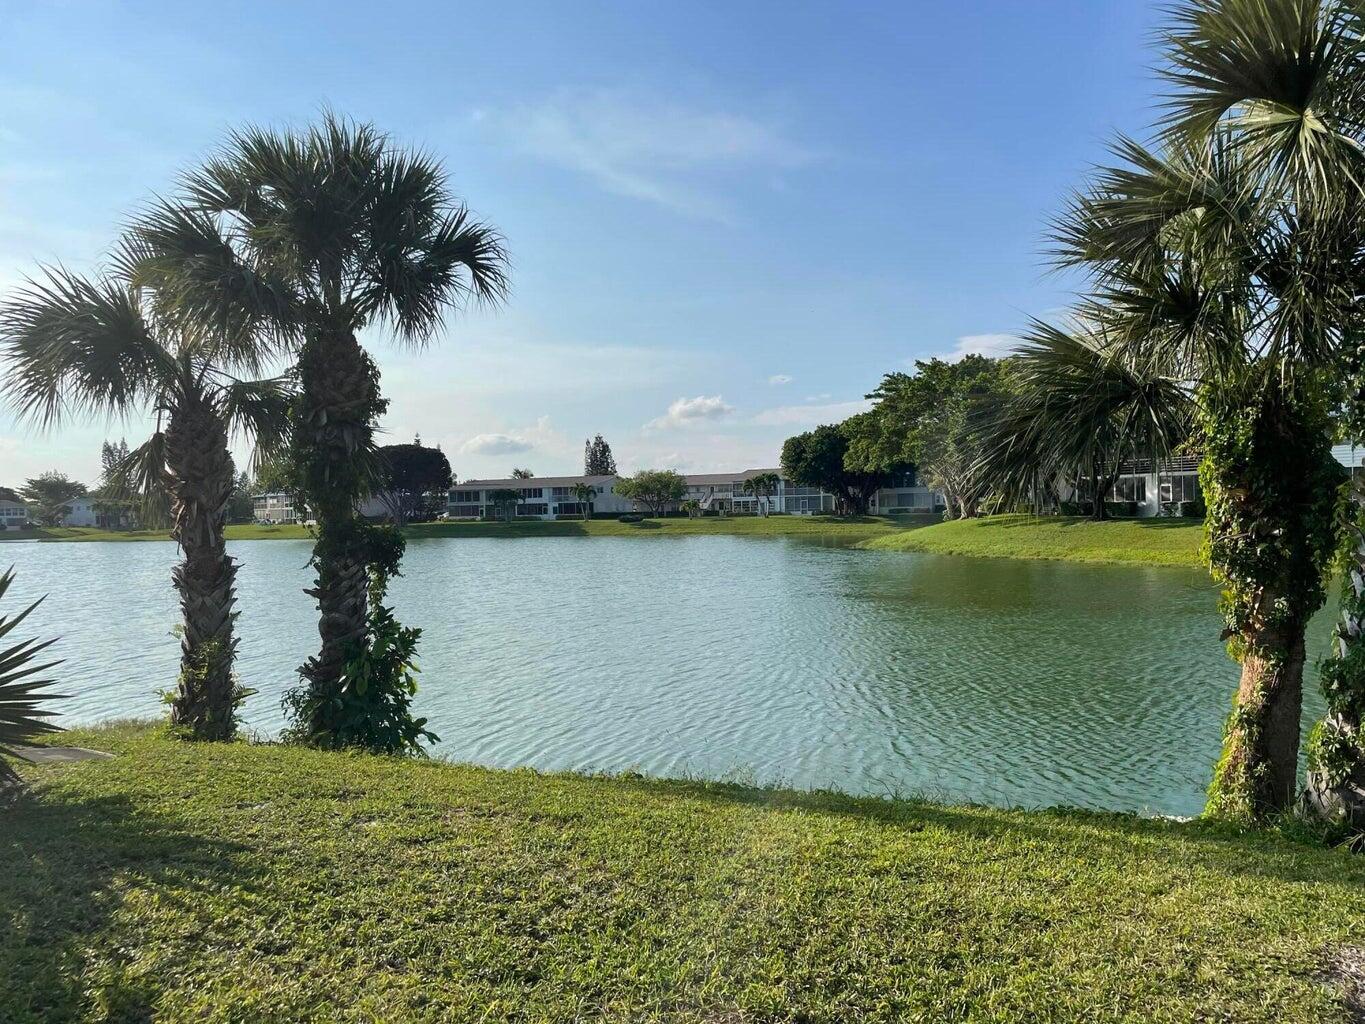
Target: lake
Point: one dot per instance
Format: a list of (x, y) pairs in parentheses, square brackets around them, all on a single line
[(760, 660)]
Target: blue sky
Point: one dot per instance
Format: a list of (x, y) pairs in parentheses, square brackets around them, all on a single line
[(727, 220)]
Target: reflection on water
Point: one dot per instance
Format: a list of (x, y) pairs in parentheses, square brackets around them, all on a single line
[(775, 660)]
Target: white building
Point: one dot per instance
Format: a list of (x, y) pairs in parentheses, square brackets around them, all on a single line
[(1171, 487), (13, 511), (552, 497), (273, 507), (547, 497), (85, 511)]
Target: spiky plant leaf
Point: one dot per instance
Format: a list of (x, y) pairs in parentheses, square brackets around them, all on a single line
[(23, 700)]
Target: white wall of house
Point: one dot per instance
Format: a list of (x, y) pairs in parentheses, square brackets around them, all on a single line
[(552, 498), (81, 512), (274, 507), (13, 514)]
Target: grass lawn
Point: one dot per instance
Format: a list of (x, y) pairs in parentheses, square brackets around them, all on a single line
[(742, 526), (266, 884), (1145, 541)]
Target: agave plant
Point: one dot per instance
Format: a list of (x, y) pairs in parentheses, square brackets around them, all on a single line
[(22, 714)]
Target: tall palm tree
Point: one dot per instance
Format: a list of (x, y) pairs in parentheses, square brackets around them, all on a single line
[(323, 233), (1077, 406), (77, 346), (1234, 252), (762, 486)]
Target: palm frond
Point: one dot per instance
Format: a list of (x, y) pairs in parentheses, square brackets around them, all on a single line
[(79, 346), (23, 699), (140, 478), (237, 311), (259, 409), (1286, 72)]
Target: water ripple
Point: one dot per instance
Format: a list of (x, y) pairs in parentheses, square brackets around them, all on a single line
[(998, 681)]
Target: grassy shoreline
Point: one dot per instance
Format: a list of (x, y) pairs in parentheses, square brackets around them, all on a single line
[(865, 527), (1158, 542), (233, 882)]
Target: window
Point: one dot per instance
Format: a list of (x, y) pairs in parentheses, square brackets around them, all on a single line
[(531, 492), (1129, 488), (463, 497), (1181, 487)]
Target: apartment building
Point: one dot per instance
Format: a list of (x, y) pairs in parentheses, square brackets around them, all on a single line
[(552, 497)]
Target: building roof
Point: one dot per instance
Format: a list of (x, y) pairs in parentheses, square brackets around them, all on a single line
[(1349, 455), (516, 483)]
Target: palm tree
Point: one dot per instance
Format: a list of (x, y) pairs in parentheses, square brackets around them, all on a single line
[(322, 234), (22, 714), (1077, 406), (584, 494), (762, 486), (100, 347), (1233, 254)]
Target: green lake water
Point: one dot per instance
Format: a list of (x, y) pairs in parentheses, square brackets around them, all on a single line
[(764, 660)]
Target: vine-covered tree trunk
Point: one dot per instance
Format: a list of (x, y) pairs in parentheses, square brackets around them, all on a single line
[(199, 478), (1336, 750), (1271, 485), (339, 400)]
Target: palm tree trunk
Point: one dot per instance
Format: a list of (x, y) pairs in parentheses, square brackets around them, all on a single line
[(1271, 521), (1261, 748), (339, 399), (199, 478)]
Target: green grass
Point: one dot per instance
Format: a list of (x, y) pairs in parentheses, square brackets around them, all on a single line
[(269, 884), (1144, 541), (741, 526)]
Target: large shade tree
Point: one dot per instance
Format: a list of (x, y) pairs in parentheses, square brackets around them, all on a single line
[(926, 420), (322, 234), (1233, 251), (819, 458), (81, 347), (414, 480)]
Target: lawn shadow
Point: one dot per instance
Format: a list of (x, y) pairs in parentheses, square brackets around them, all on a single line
[(1155, 523), (65, 868)]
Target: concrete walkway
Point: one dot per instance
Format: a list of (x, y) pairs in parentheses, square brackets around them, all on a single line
[(61, 755)]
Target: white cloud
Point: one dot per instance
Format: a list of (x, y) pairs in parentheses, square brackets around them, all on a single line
[(810, 415), (652, 151), (993, 345), (689, 411), (779, 378), (495, 444)]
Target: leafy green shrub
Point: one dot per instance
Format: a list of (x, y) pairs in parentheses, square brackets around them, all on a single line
[(372, 709), (22, 716)]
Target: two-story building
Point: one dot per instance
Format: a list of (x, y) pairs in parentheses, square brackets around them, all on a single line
[(552, 497), (13, 510)]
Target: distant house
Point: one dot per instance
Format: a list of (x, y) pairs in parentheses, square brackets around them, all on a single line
[(13, 510), (88, 510), (274, 507), (551, 497)]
